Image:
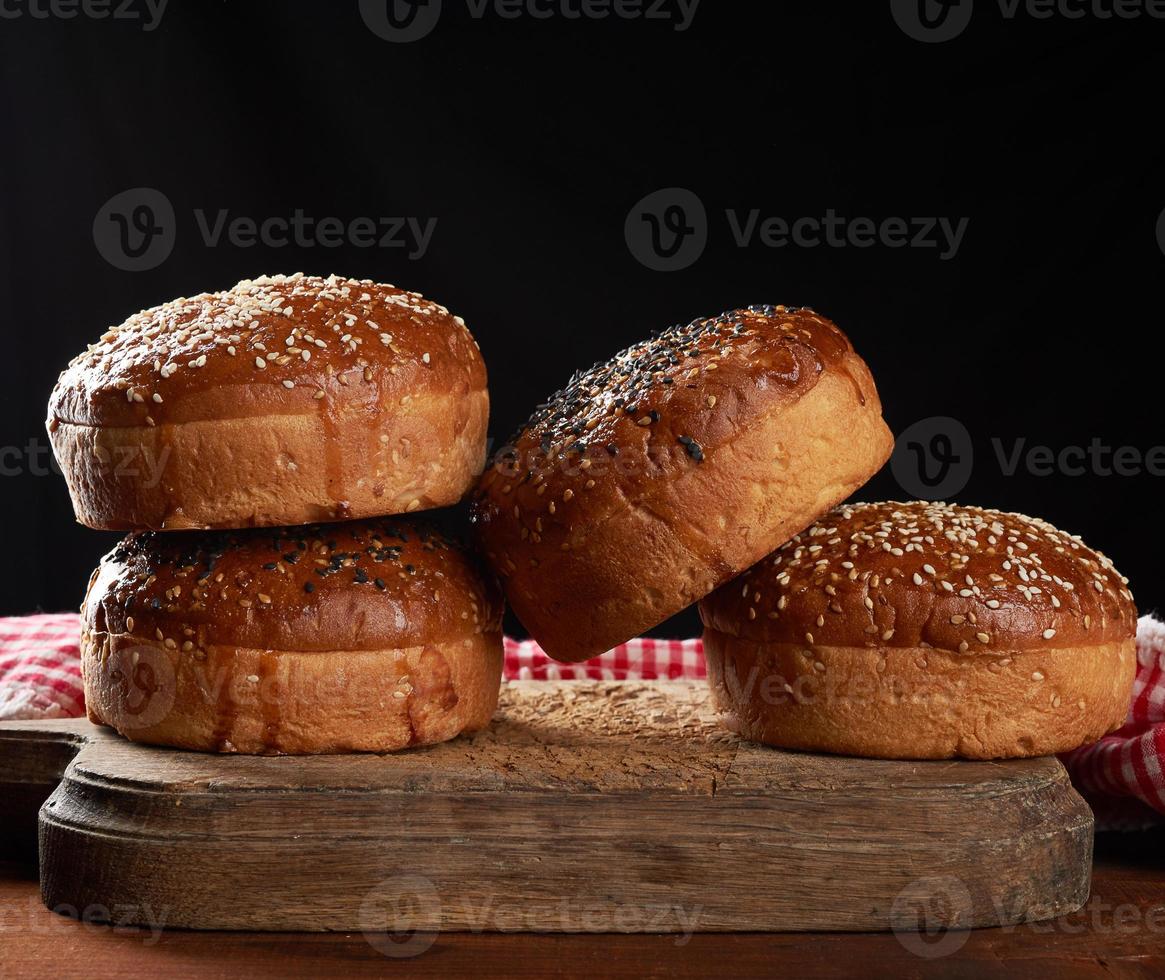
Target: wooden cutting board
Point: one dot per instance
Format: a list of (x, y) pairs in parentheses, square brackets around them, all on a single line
[(586, 806)]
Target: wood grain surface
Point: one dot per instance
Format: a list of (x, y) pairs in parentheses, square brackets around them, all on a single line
[(1120, 933), (586, 807)]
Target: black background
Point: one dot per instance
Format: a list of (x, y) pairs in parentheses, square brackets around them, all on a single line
[(530, 139)]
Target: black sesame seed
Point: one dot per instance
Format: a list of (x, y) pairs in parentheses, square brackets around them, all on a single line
[(308, 587), (692, 447), (269, 566)]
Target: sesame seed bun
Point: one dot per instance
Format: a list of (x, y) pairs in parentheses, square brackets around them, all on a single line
[(283, 400), (363, 636), (925, 631), (654, 477)]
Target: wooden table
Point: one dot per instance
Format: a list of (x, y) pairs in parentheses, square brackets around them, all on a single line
[(1120, 933)]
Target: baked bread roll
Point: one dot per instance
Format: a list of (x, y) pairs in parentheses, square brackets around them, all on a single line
[(924, 631), (366, 636), (283, 400), (667, 470)]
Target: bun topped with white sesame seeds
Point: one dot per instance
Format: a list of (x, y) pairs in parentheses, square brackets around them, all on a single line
[(283, 400), (661, 473), (371, 635), (924, 630)]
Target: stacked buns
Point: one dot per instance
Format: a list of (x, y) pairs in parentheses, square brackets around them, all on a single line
[(655, 479), (282, 401), (702, 465)]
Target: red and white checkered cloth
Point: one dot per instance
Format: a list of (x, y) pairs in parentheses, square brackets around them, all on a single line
[(1122, 775), (40, 667)]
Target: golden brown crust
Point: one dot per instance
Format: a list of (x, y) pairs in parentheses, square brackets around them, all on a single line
[(966, 579), (306, 398), (919, 702), (361, 585), (291, 702), (922, 630), (657, 475)]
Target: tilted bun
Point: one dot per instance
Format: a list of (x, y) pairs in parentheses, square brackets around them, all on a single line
[(363, 636), (283, 400), (924, 630), (655, 476)]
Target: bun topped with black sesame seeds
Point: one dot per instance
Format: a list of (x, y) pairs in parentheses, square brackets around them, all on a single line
[(924, 630), (367, 635), (655, 476), (283, 400)]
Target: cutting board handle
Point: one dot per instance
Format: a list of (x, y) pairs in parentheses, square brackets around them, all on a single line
[(33, 759)]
